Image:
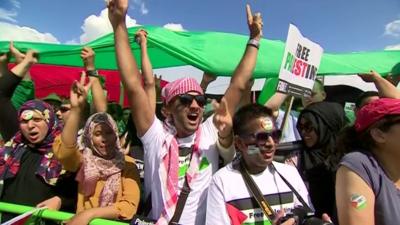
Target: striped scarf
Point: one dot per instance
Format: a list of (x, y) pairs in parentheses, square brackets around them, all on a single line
[(169, 170)]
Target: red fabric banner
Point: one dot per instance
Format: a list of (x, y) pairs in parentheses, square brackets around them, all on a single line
[(58, 79)]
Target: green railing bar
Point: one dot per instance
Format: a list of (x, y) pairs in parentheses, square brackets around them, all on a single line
[(50, 214)]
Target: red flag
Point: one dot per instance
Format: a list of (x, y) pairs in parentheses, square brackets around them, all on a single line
[(237, 217)]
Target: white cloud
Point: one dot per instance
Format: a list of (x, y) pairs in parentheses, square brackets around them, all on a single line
[(393, 47), (141, 5), (18, 33), (16, 3), (143, 9), (8, 15), (97, 26), (393, 28), (72, 42), (174, 26)]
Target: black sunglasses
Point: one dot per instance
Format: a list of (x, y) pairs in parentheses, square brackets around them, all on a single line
[(262, 137), (187, 99)]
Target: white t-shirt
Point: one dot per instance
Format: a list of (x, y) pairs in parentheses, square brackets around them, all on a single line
[(290, 132), (195, 208), (227, 186)]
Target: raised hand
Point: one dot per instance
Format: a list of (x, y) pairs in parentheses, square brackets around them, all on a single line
[(369, 77), (157, 80), (88, 55), (31, 57), (207, 79), (141, 37), (255, 24), (22, 68), (117, 11), (222, 118), (16, 53), (79, 92), (4, 57), (125, 146)]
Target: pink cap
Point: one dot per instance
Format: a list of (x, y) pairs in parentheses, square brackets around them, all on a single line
[(374, 111)]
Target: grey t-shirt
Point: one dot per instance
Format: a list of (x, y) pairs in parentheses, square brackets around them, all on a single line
[(387, 196)]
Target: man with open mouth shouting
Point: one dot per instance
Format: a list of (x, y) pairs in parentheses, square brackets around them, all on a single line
[(181, 153)]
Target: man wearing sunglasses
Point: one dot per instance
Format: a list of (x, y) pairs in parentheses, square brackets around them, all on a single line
[(183, 149), (229, 199)]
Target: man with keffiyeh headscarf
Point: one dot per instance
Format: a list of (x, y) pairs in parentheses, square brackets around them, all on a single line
[(184, 147)]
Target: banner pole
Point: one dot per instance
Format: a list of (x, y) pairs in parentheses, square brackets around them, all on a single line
[(286, 116)]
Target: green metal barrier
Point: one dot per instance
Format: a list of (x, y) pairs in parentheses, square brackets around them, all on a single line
[(50, 214)]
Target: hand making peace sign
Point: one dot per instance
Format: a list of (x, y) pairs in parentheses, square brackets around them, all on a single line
[(255, 23)]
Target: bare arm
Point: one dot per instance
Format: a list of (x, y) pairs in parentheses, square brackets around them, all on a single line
[(348, 186), (22, 68), (275, 102), (19, 57), (237, 86), (78, 95), (142, 114), (147, 70), (385, 88), (223, 121), (3, 63), (206, 80), (84, 217), (246, 97), (246, 66), (99, 99)]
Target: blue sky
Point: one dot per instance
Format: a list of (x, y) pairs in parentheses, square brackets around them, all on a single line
[(337, 25)]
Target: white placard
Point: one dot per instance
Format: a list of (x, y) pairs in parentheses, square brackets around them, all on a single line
[(299, 65)]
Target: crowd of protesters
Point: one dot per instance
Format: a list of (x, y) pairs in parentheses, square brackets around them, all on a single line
[(179, 162)]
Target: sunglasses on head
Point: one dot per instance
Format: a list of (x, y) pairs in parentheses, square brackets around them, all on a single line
[(262, 137), (187, 99)]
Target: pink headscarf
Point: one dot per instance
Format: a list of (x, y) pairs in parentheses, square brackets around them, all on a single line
[(95, 168)]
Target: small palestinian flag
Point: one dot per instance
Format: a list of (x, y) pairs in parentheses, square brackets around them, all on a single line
[(23, 218), (358, 201)]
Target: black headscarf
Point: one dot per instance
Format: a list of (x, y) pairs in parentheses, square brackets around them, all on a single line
[(328, 118)]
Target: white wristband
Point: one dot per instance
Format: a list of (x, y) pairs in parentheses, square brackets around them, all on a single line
[(254, 42)]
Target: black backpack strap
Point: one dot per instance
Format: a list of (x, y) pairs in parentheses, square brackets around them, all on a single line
[(181, 203), (305, 205), (255, 191), (183, 195)]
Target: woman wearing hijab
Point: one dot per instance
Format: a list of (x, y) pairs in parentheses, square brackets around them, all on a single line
[(368, 179), (108, 181), (318, 125), (28, 169)]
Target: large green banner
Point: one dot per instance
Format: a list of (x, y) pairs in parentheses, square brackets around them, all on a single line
[(214, 52)]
